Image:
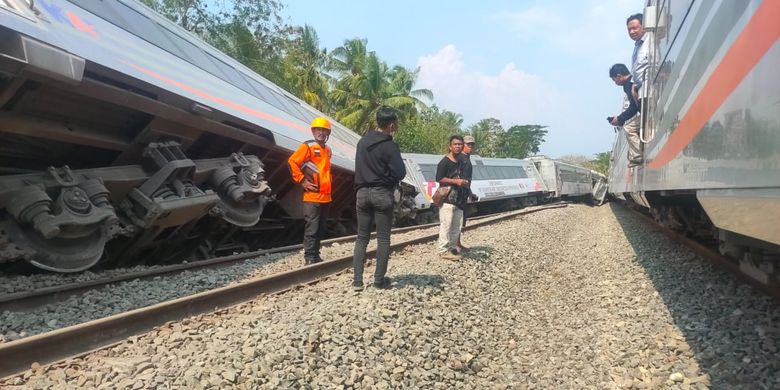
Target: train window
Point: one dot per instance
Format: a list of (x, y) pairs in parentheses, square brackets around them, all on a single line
[(137, 24), (266, 94), (520, 173), (21, 7), (428, 171), (478, 173), (233, 74), (493, 173)]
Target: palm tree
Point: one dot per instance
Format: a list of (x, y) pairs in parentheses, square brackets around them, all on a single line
[(365, 83), (305, 67), (403, 97), (349, 58)]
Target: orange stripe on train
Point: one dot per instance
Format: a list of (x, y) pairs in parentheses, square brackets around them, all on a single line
[(761, 32)]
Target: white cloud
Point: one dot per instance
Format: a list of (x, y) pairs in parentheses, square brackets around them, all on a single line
[(512, 95)]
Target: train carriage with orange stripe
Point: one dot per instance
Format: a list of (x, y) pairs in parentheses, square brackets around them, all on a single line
[(125, 139), (711, 128)]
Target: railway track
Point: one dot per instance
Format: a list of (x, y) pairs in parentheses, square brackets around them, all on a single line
[(30, 299), (26, 300), (710, 254), (60, 344)]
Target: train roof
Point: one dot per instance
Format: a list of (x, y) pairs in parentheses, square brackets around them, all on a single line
[(127, 37), (541, 158)]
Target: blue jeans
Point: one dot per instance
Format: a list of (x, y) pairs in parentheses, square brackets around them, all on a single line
[(373, 204)]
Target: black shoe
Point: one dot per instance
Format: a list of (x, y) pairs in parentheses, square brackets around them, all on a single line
[(317, 260), (385, 283), (357, 286)]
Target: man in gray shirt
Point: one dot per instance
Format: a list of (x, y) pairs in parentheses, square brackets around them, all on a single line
[(640, 71), (640, 58)]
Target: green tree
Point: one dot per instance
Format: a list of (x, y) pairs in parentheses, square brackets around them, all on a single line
[(486, 134), (520, 141), (364, 83), (429, 131), (305, 68), (601, 162)]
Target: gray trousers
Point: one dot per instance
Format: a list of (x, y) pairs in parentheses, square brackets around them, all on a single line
[(631, 130), (374, 205), (315, 215)]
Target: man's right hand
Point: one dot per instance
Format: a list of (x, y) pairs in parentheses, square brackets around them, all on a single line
[(309, 186), (463, 182)]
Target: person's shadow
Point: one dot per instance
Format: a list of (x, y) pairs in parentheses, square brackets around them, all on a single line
[(478, 253), (708, 309)]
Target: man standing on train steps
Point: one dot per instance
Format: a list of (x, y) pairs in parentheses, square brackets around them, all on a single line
[(630, 116), (379, 169), (310, 167), (640, 69), (640, 57)]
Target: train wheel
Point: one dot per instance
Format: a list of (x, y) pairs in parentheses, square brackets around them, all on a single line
[(56, 254)]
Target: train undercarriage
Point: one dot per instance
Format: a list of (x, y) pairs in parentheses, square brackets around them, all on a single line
[(107, 171), (682, 212)]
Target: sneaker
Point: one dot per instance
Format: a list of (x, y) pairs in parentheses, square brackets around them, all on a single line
[(462, 248), (385, 283), (357, 286)]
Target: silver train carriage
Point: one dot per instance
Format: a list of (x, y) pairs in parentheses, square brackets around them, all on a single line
[(711, 128), (124, 137), (565, 180), (500, 184)]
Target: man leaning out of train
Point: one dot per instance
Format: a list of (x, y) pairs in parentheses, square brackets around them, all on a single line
[(379, 169), (310, 167), (449, 174), (629, 118)]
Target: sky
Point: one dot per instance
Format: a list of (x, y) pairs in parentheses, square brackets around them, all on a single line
[(522, 61)]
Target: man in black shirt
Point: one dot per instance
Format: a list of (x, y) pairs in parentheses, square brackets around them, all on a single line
[(449, 173), (378, 170), (629, 118)]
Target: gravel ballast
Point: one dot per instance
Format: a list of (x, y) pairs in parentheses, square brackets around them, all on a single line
[(578, 297), (137, 293)]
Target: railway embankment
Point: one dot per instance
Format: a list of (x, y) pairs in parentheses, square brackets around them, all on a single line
[(575, 297)]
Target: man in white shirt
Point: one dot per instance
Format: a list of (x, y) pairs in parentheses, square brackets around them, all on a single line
[(640, 72)]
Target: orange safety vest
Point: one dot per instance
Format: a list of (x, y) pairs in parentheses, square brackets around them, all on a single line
[(312, 161)]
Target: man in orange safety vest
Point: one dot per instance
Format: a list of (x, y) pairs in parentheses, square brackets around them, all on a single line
[(310, 167)]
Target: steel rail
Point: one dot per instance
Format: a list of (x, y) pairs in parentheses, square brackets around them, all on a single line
[(17, 356), (26, 300)]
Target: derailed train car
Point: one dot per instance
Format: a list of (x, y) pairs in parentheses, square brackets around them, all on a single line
[(711, 128), (125, 138), (564, 180), (499, 183)]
